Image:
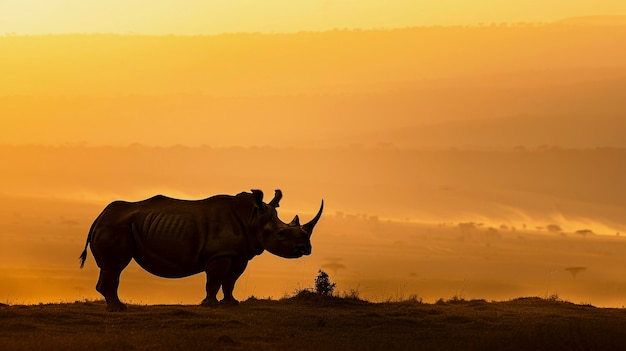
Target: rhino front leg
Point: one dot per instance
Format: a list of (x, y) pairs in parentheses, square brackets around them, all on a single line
[(236, 269), (216, 271)]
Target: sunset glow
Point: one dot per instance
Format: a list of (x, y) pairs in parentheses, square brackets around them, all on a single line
[(212, 17), (452, 141)]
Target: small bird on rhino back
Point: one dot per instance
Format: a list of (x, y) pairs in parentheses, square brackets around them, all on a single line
[(174, 238)]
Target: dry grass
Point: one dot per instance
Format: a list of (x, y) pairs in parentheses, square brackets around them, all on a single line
[(307, 322)]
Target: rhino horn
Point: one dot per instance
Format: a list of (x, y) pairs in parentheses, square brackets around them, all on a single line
[(309, 226), (277, 196), (295, 221)]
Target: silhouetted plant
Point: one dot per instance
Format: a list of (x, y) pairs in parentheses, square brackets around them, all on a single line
[(353, 294), (456, 298), (553, 298), (414, 298), (323, 285)]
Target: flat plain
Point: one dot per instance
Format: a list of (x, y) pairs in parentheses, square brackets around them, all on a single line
[(314, 323)]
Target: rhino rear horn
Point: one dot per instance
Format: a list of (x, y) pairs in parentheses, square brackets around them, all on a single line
[(309, 226), (295, 221), (277, 196)]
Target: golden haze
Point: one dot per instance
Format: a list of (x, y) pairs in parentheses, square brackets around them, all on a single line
[(190, 17), (439, 152)]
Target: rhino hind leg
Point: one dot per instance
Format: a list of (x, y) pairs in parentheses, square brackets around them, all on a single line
[(108, 283), (112, 248), (109, 280)]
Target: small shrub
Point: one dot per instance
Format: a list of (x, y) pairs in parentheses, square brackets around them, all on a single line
[(414, 299), (352, 294), (323, 285), (456, 299), (305, 295), (553, 298)]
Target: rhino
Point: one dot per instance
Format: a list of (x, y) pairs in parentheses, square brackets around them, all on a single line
[(175, 238)]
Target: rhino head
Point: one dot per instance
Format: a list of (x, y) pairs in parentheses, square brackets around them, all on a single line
[(289, 240)]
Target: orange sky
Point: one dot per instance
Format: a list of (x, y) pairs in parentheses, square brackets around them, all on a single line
[(219, 16)]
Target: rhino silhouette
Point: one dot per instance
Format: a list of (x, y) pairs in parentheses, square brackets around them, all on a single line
[(175, 238)]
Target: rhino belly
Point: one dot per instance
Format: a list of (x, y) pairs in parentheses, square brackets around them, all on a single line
[(164, 267), (170, 249)]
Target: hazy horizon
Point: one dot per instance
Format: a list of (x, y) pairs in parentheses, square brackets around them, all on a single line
[(163, 17)]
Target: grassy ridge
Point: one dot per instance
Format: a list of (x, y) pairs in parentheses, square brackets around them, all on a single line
[(314, 324)]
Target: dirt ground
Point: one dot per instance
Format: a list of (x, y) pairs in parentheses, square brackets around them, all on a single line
[(317, 324)]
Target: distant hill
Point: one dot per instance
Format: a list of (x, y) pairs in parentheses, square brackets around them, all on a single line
[(567, 131), (595, 21), (476, 85), (575, 108), (341, 61)]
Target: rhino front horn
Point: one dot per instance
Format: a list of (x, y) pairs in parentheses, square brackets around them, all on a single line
[(309, 226)]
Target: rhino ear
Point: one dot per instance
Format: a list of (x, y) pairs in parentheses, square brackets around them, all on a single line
[(277, 196), (258, 198)]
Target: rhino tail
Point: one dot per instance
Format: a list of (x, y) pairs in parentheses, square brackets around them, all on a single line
[(83, 256)]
